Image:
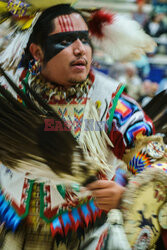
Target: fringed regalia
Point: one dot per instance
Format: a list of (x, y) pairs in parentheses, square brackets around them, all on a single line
[(43, 168), (48, 209)]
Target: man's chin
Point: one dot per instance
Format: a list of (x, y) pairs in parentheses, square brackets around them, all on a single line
[(75, 81)]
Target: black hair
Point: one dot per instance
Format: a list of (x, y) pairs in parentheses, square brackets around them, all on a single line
[(44, 26)]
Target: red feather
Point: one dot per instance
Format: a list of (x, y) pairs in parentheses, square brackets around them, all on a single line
[(99, 18)]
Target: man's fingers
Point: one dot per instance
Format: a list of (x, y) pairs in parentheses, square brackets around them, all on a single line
[(107, 194), (106, 204), (100, 193), (104, 201)]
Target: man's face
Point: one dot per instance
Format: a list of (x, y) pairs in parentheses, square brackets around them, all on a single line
[(68, 54)]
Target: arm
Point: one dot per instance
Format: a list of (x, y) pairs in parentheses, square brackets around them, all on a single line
[(128, 122)]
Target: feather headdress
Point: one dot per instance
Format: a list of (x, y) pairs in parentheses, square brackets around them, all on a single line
[(119, 36), (18, 18)]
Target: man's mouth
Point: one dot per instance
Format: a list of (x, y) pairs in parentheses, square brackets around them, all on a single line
[(79, 62), (79, 65)]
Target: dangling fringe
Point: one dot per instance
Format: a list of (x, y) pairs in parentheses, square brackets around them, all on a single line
[(97, 146), (124, 39), (95, 143), (117, 238), (12, 54), (40, 172)]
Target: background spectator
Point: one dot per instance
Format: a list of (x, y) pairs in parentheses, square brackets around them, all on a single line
[(155, 26)]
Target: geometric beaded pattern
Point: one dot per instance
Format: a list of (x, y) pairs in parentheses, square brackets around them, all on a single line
[(140, 161), (78, 119), (33, 219)]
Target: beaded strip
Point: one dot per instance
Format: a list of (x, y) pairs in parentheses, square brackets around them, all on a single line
[(146, 157)]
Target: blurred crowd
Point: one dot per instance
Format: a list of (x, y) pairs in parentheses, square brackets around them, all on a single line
[(139, 76), (143, 90), (154, 24)]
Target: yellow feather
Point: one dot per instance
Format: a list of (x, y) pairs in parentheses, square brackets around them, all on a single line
[(27, 24), (24, 24), (3, 20), (3, 7), (43, 4)]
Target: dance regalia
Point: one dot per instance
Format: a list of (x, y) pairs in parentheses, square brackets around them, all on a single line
[(39, 212), (45, 214)]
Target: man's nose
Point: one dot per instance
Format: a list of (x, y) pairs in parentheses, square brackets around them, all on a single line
[(79, 47)]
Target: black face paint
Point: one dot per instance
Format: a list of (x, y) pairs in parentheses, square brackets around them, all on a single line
[(57, 42)]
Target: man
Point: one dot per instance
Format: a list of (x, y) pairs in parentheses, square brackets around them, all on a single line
[(62, 50), (69, 67)]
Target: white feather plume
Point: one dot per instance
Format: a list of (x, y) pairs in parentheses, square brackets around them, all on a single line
[(124, 39), (11, 55)]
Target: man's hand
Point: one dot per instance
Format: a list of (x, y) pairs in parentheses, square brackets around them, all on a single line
[(107, 194)]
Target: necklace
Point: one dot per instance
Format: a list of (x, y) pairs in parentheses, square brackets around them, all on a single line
[(48, 90)]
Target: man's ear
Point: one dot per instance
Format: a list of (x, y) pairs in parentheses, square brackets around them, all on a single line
[(36, 52)]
